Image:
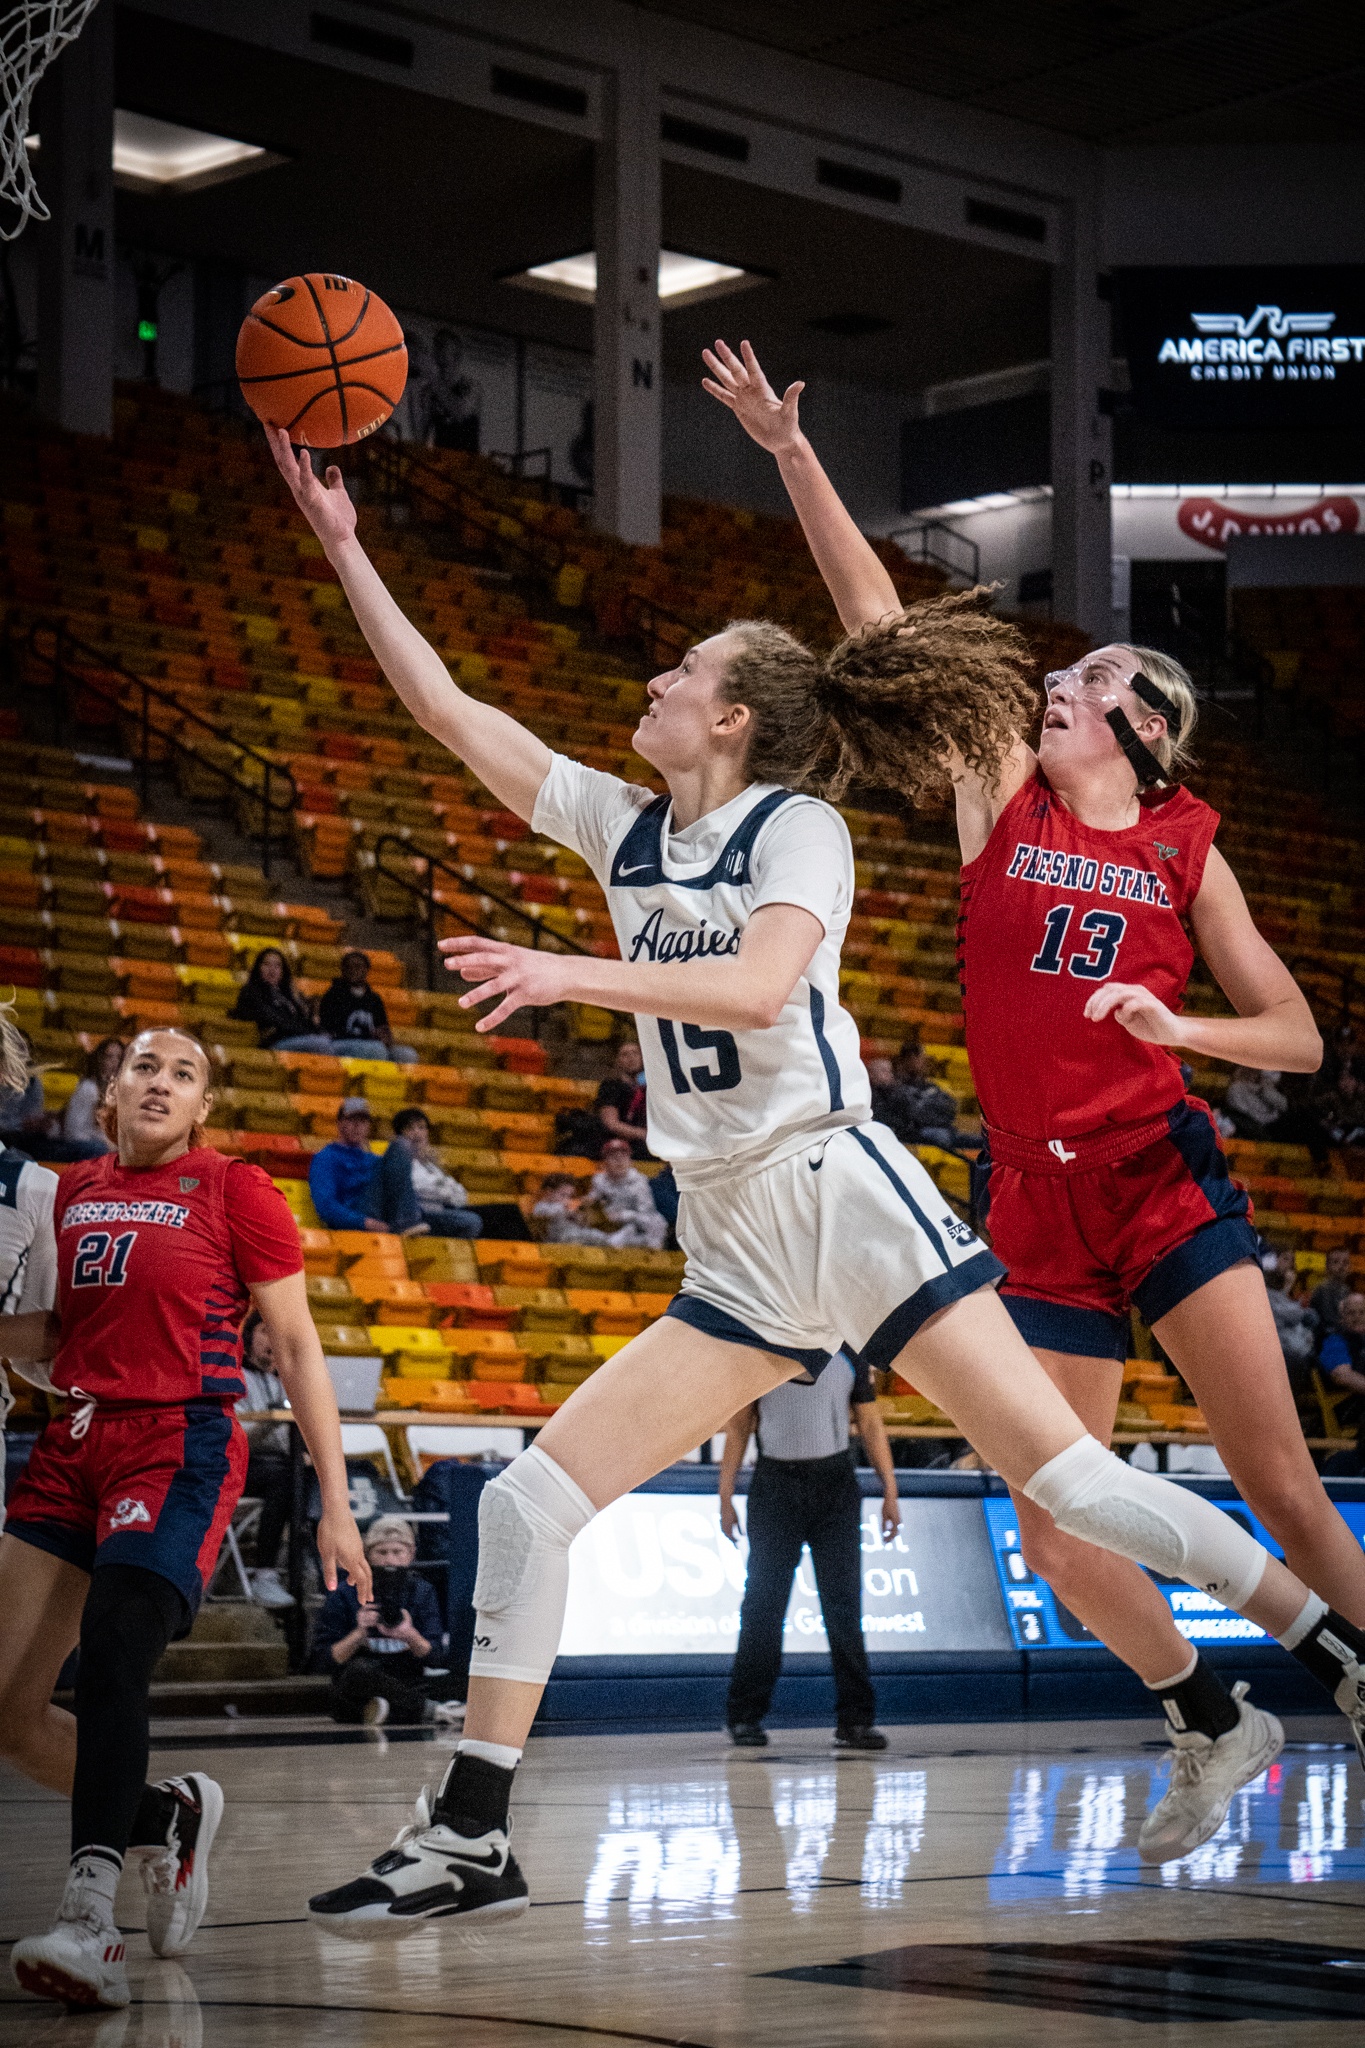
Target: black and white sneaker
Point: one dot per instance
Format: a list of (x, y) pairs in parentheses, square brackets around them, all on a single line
[(175, 1874), (1350, 1697), (430, 1873)]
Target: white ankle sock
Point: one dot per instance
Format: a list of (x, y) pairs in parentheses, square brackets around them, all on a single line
[(499, 1753), (1303, 1624), (1160, 1684), (91, 1883)]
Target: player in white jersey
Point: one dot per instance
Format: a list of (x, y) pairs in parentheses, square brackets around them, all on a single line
[(805, 1224), (28, 1249)]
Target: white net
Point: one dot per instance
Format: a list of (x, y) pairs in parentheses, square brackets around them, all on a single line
[(31, 35)]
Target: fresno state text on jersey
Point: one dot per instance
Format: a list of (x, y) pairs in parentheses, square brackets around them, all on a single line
[(1051, 910), (153, 1270)]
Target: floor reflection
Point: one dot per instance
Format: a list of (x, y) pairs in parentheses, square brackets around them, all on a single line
[(666, 1850)]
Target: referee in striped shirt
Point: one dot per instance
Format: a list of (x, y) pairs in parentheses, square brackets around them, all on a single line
[(804, 1492)]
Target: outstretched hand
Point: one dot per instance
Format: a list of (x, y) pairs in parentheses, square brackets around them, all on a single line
[(325, 504), (520, 976), (739, 383), (1138, 1011)]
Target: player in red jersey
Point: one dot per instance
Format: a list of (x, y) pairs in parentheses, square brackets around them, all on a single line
[(1089, 880), (114, 1528)]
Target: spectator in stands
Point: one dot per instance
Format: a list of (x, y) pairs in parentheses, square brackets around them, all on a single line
[(26, 1124), (1327, 1297), (354, 1188), (1295, 1322), (624, 1196), (621, 1101), (1343, 1355), (78, 1123), (1260, 1109), (377, 1665), (284, 1020), (557, 1209), (910, 1103), (440, 1197), (354, 1017), (269, 1472), (1341, 1109), (1343, 1050)]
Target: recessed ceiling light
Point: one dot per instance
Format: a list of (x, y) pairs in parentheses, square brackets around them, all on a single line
[(683, 280), (161, 156)]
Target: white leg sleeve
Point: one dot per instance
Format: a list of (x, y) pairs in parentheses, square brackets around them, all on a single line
[(528, 1517), (1092, 1494)]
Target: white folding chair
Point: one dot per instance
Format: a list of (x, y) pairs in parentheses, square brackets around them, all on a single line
[(368, 1440), (462, 1440), (245, 1517)]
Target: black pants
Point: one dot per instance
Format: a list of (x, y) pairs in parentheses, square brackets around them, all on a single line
[(816, 1502), (270, 1479), (399, 1679)]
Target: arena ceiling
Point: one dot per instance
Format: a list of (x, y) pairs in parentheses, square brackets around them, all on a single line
[(1107, 71)]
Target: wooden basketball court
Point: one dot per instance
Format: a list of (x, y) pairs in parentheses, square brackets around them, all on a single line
[(974, 1884)]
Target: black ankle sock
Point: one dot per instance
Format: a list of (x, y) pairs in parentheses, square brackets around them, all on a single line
[(474, 1795), (152, 1821), (1200, 1704), (1328, 1648)]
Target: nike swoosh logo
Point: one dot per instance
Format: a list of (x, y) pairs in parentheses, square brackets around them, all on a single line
[(636, 871), (492, 1862)]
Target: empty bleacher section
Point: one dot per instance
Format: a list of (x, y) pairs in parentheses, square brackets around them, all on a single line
[(1311, 639), (172, 557)]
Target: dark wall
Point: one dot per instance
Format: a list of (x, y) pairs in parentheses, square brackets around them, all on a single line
[(1000, 447)]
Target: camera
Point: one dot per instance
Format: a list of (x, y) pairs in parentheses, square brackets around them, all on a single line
[(392, 1593)]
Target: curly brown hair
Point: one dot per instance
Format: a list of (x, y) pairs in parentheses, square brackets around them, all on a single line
[(891, 705)]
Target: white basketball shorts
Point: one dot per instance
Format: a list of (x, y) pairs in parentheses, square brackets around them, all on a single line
[(847, 1245)]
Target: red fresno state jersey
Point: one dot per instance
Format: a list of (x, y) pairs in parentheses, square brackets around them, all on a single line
[(1051, 910), (153, 1267)]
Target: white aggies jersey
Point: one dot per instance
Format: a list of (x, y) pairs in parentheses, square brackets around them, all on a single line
[(720, 1099), (28, 1261)]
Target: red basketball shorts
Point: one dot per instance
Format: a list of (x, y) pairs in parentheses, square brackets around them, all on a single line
[(1146, 1231), (153, 1487)]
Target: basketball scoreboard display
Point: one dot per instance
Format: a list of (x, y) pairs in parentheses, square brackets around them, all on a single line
[(655, 1576), (1039, 1621)]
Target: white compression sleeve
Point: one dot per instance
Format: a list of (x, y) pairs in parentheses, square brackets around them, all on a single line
[(528, 1517), (1092, 1494)]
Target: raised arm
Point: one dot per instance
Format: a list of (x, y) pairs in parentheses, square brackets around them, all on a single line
[(1273, 1027), (507, 758), (857, 581)]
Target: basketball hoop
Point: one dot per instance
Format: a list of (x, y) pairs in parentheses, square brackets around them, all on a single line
[(31, 35)]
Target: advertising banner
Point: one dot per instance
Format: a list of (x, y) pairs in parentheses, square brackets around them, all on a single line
[(1239, 348)]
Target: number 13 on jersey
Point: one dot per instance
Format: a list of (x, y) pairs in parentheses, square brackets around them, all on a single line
[(1102, 930)]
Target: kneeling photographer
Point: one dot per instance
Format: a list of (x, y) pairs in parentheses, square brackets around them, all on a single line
[(376, 1654)]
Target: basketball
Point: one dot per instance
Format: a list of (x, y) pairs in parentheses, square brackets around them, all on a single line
[(323, 358)]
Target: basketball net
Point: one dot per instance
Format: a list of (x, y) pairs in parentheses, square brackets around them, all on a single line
[(31, 35)]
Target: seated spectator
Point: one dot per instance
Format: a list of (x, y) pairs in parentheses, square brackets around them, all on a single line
[(354, 1188), (376, 1655), (354, 1018), (27, 1125), (1340, 1110), (910, 1103), (621, 1101), (1343, 1355), (1327, 1297), (78, 1123), (1260, 1109), (269, 1471), (1295, 1323), (558, 1209), (623, 1194), (440, 1197), (284, 1021)]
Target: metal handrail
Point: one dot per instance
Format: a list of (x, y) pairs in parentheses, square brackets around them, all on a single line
[(432, 908), (66, 643), (921, 529)]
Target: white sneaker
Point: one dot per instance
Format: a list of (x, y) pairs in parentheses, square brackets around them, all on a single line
[(375, 1712), (175, 1876), (448, 1713), (268, 1588), (1204, 1775), (430, 1873), (79, 1961), (1350, 1697)]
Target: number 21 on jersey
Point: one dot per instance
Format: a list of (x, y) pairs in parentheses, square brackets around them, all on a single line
[(1101, 929), (102, 1261)]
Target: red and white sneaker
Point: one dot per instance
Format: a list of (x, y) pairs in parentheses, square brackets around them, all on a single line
[(79, 1961), (175, 1874)]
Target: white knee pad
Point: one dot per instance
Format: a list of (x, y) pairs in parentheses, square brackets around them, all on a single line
[(528, 1517), (1091, 1494)]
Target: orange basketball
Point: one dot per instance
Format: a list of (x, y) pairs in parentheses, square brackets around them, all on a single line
[(322, 357)]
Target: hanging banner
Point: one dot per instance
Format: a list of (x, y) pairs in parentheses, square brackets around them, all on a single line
[(1213, 524)]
